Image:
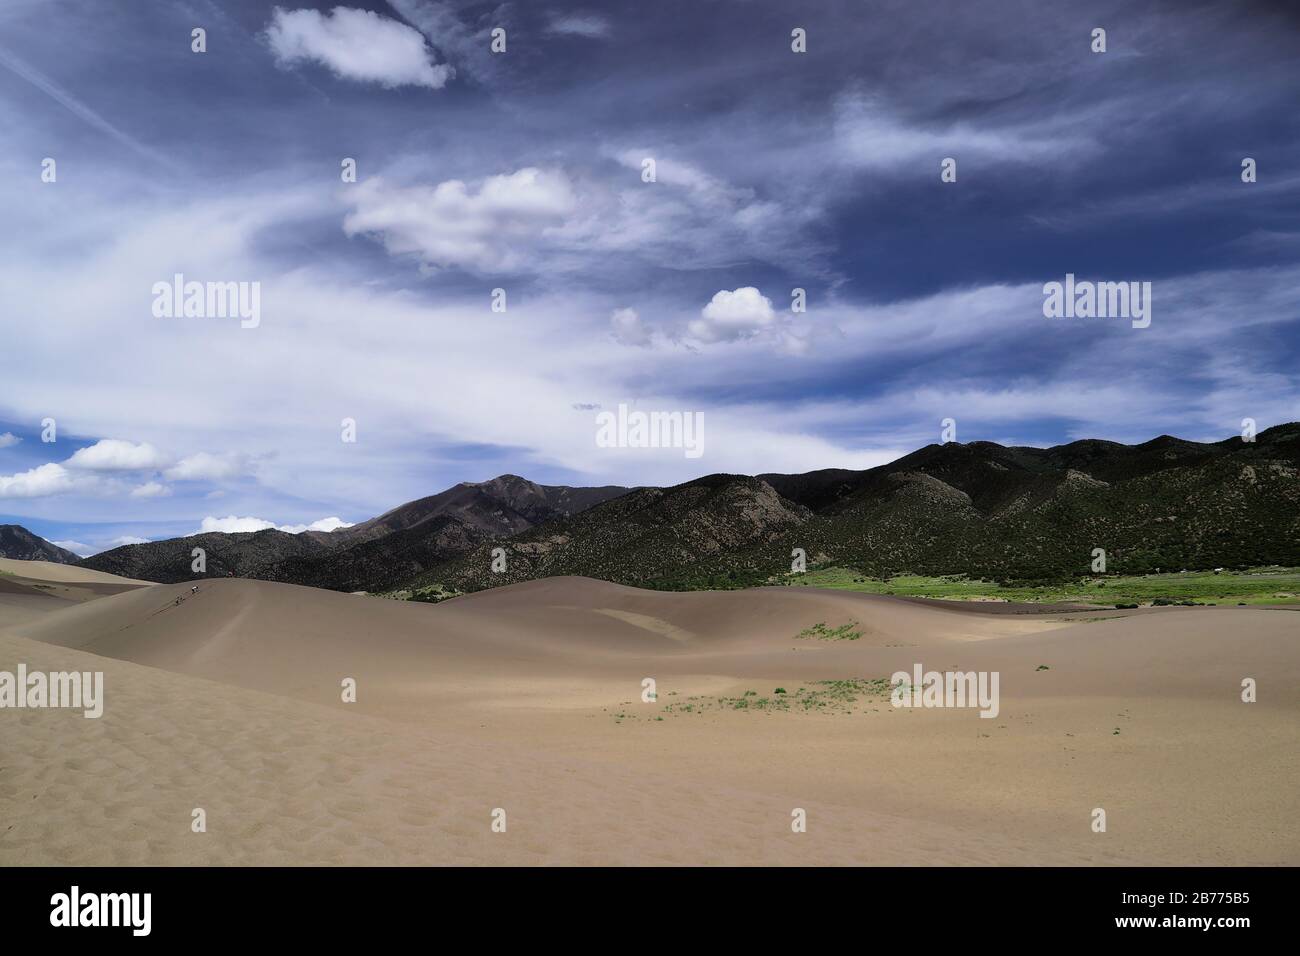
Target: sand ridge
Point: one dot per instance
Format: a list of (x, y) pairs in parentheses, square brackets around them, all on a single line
[(50, 571)]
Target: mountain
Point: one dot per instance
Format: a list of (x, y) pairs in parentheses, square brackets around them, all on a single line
[(19, 544), (502, 506), (389, 550), (1036, 514), (240, 554), (1005, 513), (650, 536), (374, 555), (978, 508)]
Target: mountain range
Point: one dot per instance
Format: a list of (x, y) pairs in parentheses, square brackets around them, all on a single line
[(18, 543), (1005, 513)]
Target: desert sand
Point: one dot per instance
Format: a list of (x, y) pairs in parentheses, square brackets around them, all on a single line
[(528, 699), (28, 589)]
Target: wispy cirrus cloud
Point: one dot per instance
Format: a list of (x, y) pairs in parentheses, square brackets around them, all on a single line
[(592, 26), (205, 466), (872, 135), (79, 109)]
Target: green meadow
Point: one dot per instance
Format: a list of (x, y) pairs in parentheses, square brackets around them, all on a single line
[(1272, 585)]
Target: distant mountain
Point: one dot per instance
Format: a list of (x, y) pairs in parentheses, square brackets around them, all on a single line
[(651, 536), (502, 506), (379, 563), (977, 508), (240, 554), (19, 544), (384, 552), (373, 555)]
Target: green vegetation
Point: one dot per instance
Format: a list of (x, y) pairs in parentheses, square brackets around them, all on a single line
[(427, 594), (845, 632), (823, 696), (1273, 585)]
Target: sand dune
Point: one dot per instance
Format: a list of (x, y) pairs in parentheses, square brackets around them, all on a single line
[(31, 589), (49, 571), (283, 783), (21, 602), (564, 635), (528, 698)]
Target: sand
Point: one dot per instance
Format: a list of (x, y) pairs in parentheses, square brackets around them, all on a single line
[(49, 571), (527, 698), (29, 589)]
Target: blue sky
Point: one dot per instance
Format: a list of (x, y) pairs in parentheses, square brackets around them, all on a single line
[(522, 171)]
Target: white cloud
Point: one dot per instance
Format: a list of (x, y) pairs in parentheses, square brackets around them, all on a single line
[(488, 230), (48, 479), (112, 454), (9, 439), (127, 539), (208, 467), (324, 524), (356, 45), (151, 489), (234, 525), (628, 328), (76, 547), (734, 315), (591, 26), (552, 221), (89, 469)]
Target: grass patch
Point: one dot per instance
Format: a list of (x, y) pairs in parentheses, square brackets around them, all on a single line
[(845, 632), (428, 594), (823, 696), (1273, 585)]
